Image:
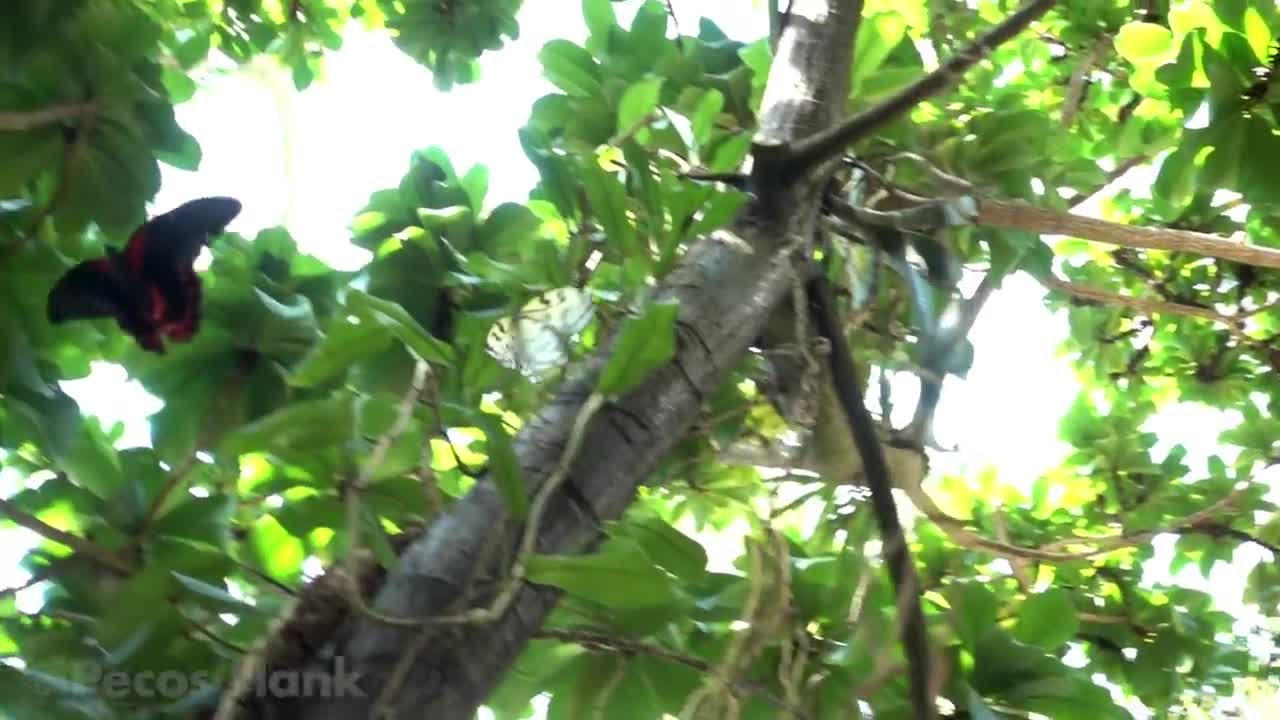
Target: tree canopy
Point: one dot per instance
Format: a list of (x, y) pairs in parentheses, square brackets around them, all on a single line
[(488, 466)]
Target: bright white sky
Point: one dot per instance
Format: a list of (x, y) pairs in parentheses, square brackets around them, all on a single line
[(309, 161)]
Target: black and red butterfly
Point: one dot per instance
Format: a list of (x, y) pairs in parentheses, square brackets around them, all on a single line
[(150, 287)]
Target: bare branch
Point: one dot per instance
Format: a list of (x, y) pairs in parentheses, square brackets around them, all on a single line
[(1119, 170), (97, 553), (915, 639), (1149, 306), (404, 415), (1218, 530), (36, 578), (1054, 552), (1021, 216), (19, 120), (1079, 80)]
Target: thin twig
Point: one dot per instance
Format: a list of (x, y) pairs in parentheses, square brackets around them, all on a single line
[(97, 553), (1217, 530), (401, 423), (214, 637), (1116, 173), (1019, 565), (19, 120), (1149, 306), (820, 147), (675, 22), (1079, 80), (956, 531), (175, 479), (598, 641), (37, 577)]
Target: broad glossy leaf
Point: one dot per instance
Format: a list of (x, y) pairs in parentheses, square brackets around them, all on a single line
[(644, 344), (638, 102), (395, 318), (570, 68), (344, 344), (623, 577), (1047, 619)]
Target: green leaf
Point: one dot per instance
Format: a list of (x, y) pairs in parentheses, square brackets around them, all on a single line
[(719, 211), (284, 331), (705, 114), (206, 520), (671, 549), (570, 68), (608, 201), (215, 598), (600, 19), (1142, 42), (26, 155), (649, 30), (645, 343), (878, 35), (375, 538), (728, 155), (476, 185), (973, 610), (345, 344), (977, 707), (310, 425), (395, 318), (1176, 183), (638, 102), (1047, 619), (504, 466), (621, 578)]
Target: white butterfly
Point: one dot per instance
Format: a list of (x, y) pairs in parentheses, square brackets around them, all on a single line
[(537, 338)]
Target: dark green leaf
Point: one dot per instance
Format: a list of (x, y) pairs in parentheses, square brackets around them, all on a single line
[(622, 578), (645, 343), (1047, 619)]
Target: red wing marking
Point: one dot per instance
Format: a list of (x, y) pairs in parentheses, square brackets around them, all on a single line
[(135, 251)]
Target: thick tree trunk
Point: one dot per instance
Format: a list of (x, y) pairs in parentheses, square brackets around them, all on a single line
[(726, 287)]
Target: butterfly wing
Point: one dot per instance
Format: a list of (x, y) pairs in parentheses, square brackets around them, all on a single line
[(151, 288), (101, 288), (91, 289), (537, 339), (162, 253), (175, 238)]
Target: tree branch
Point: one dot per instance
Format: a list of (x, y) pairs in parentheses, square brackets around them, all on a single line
[(37, 577), (958, 533), (1116, 173), (1218, 530), (1080, 80), (98, 554), (1021, 216), (1150, 306), (808, 153), (915, 638), (19, 120), (725, 286)]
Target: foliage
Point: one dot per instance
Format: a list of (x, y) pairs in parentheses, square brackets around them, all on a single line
[(277, 407)]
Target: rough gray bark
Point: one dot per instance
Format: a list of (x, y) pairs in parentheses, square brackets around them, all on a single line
[(726, 287)]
